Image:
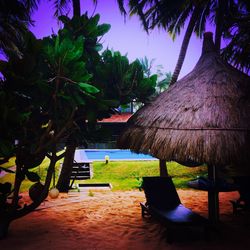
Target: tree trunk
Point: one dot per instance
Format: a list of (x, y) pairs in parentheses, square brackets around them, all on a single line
[(64, 178), (219, 23), (184, 46), (76, 8), (163, 168)]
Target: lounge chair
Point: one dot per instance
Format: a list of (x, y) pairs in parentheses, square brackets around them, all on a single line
[(163, 203), (243, 203), (203, 183)]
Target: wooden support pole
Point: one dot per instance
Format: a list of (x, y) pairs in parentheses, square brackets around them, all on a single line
[(213, 197), (163, 168)]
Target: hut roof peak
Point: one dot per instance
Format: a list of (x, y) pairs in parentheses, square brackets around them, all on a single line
[(208, 44)]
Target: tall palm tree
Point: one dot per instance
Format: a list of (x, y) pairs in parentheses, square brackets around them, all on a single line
[(172, 16), (14, 21)]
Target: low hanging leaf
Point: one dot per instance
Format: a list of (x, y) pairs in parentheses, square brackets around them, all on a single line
[(89, 88), (103, 28), (78, 99), (79, 72), (34, 177), (153, 78), (94, 20), (98, 47)]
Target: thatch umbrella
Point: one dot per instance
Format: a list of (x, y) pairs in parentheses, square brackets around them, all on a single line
[(204, 117)]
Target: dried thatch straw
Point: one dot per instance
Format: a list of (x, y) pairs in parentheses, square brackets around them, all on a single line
[(204, 117)]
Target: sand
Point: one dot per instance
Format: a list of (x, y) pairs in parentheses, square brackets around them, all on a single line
[(112, 220)]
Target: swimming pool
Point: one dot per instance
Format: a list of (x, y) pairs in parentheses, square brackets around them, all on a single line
[(114, 155)]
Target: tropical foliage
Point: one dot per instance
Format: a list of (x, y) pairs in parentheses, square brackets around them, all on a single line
[(164, 81), (237, 50), (126, 80), (53, 93), (46, 99), (119, 81), (14, 20)]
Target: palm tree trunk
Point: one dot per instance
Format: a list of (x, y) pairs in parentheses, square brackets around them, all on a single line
[(219, 23), (184, 46), (76, 8)]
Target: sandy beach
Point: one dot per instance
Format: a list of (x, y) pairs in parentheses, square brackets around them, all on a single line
[(112, 220)]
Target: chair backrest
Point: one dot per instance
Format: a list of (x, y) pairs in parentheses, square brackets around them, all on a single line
[(243, 183), (160, 192)]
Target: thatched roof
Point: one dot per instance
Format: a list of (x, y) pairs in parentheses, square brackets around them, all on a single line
[(204, 117)]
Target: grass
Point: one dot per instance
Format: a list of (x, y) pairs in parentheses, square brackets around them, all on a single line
[(127, 175), (123, 175), (91, 193)]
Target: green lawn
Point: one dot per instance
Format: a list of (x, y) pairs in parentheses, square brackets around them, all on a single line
[(127, 175), (123, 175)]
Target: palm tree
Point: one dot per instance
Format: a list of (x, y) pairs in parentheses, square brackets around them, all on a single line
[(164, 83), (62, 6), (14, 21), (147, 65), (172, 15), (237, 52)]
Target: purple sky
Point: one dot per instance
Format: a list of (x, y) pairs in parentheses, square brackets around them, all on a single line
[(128, 37)]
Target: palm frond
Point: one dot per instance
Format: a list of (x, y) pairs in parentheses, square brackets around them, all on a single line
[(179, 20), (121, 7), (237, 52), (200, 25), (14, 20), (31, 5), (60, 6)]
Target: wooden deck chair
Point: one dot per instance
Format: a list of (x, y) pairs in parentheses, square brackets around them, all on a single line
[(243, 203), (163, 203)]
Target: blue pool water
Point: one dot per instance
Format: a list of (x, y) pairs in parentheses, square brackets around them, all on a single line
[(115, 154)]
